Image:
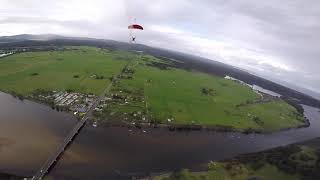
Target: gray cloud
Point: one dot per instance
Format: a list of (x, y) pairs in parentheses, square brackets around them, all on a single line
[(275, 39)]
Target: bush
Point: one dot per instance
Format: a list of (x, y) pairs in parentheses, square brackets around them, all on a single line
[(182, 174), (256, 165), (305, 157), (99, 77), (34, 74), (69, 90), (207, 91)]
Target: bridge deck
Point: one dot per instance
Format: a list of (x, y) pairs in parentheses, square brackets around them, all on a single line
[(44, 169)]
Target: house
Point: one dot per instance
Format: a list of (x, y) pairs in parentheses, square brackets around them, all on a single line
[(98, 109), (81, 108)]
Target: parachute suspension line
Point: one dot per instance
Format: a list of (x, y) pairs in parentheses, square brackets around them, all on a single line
[(130, 36)]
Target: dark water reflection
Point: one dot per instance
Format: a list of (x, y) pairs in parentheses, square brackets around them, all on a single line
[(29, 132), (116, 153)]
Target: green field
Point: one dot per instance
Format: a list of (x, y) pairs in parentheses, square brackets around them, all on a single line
[(153, 90), (56, 70), (176, 94)]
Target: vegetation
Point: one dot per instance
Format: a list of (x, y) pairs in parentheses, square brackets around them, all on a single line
[(9, 177), (149, 89), (290, 162), (34, 74), (159, 92), (207, 91), (70, 69), (225, 171)]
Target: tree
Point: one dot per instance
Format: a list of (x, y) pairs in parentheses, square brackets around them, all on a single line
[(34, 74)]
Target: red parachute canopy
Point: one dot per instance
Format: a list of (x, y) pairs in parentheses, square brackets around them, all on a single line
[(135, 26)]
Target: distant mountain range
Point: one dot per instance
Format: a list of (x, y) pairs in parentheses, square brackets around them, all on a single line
[(191, 61), (38, 37), (23, 37)]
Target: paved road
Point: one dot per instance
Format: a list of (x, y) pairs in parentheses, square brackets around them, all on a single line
[(54, 157)]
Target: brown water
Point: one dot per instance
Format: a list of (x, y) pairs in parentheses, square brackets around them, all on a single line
[(29, 132)]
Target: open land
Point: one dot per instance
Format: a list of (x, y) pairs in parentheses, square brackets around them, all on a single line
[(149, 90), (153, 90), (83, 70)]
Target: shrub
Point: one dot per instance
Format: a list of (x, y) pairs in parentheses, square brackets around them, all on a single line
[(34, 74), (69, 90), (256, 165)]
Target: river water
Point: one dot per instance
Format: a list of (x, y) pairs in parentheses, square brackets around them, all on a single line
[(30, 132)]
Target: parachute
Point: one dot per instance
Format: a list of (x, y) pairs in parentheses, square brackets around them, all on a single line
[(132, 28), (135, 26)]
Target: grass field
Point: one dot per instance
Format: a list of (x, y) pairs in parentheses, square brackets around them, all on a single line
[(69, 69), (156, 90), (176, 94)]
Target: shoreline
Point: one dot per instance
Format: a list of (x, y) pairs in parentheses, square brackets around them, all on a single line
[(170, 127), (186, 128), (257, 160)]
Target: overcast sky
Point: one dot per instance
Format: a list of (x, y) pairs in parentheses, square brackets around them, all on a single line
[(279, 40)]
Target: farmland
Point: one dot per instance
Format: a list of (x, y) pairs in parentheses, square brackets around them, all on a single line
[(74, 69), (149, 89), (154, 90)]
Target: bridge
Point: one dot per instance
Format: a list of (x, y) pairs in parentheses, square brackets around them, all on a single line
[(72, 134), (50, 162)]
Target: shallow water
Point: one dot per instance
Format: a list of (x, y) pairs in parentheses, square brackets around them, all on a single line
[(29, 132)]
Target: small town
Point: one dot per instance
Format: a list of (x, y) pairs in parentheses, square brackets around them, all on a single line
[(77, 103)]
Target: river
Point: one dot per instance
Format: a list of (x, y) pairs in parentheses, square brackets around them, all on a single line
[(30, 132)]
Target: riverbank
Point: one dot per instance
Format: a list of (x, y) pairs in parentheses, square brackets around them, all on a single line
[(171, 127), (296, 161), (186, 128)]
